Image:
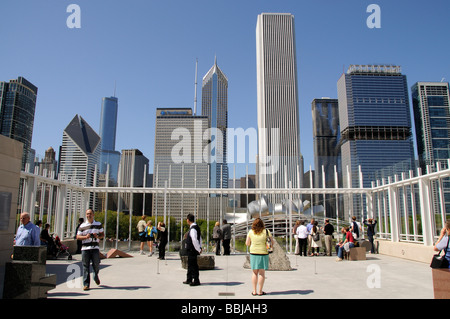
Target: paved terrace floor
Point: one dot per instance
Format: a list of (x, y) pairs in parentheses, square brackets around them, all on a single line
[(142, 277)]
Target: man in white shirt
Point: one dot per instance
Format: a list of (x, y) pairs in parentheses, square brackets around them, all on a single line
[(90, 233), (302, 237), (193, 248)]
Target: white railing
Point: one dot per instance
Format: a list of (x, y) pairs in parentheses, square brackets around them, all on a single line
[(408, 208)]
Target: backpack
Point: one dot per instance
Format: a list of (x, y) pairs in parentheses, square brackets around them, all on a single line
[(355, 232)]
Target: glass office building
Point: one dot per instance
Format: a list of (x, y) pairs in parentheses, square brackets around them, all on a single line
[(215, 107), (375, 123), (327, 150), (108, 128), (432, 122), (17, 110)]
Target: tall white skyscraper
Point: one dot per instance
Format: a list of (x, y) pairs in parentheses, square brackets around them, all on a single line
[(279, 157)]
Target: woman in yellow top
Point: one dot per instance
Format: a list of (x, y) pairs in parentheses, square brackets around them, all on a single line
[(259, 255)]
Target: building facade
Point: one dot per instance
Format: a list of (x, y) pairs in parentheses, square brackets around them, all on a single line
[(432, 123), (108, 128), (80, 155), (179, 162), (375, 124), (279, 157), (327, 149), (133, 170), (215, 107), (17, 110)]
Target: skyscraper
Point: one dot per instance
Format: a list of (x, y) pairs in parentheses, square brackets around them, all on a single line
[(108, 128), (432, 122), (179, 162), (279, 157), (327, 150), (17, 109), (80, 153), (375, 123), (133, 173), (215, 107)]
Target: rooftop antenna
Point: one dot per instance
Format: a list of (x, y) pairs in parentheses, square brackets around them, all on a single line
[(195, 96), (115, 84)]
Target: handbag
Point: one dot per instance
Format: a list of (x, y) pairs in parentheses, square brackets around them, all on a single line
[(269, 244), (439, 261)]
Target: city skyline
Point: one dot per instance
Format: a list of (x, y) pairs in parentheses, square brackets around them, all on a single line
[(83, 63)]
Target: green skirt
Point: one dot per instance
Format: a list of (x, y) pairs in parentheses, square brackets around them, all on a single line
[(259, 261)]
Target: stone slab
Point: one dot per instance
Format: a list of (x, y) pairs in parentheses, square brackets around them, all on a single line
[(114, 253), (205, 262), (278, 259)]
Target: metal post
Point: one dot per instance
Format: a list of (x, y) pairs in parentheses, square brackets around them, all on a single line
[(425, 209), (106, 207)]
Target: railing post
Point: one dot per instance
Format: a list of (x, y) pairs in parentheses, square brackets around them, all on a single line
[(393, 211), (425, 209)]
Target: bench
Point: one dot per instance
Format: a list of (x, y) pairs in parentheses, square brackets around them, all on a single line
[(355, 253)]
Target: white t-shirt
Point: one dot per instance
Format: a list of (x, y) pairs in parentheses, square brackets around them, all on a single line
[(88, 228), (302, 232)]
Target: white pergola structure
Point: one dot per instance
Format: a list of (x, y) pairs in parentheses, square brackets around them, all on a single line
[(395, 203)]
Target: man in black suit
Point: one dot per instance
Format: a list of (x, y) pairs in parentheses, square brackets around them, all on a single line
[(193, 249)]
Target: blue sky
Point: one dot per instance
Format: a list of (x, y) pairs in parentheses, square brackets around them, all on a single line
[(149, 49)]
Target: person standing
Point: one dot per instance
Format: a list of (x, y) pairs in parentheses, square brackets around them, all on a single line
[(217, 237), (141, 231), (302, 237), (316, 241), (150, 233), (162, 240), (308, 228), (226, 235), (193, 249), (79, 242), (371, 232), (90, 233), (294, 231), (28, 234), (259, 255), (328, 231)]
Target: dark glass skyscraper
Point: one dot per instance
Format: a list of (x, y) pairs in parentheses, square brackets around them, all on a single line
[(375, 123), (17, 109), (327, 150), (326, 138), (108, 128), (432, 122)]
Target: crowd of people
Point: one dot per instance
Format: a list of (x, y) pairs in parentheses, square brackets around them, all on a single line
[(311, 238)]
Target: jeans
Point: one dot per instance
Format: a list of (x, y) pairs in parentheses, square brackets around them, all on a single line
[(341, 250), (88, 256)]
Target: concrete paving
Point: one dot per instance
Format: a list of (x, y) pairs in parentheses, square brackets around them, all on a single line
[(143, 277)]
